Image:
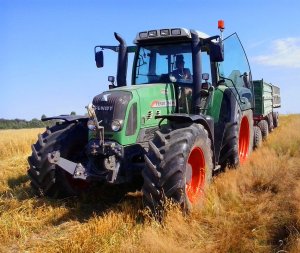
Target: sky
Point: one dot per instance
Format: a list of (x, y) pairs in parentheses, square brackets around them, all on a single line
[(47, 46)]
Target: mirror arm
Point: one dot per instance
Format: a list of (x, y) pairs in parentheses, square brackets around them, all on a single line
[(113, 48)]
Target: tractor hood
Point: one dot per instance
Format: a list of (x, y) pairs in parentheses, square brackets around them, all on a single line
[(150, 100)]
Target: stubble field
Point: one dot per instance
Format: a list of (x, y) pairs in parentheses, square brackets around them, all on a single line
[(255, 208)]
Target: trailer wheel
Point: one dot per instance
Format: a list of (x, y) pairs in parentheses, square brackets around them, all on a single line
[(263, 125), (257, 141), (275, 119), (237, 141), (270, 122), (178, 166), (48, 179)]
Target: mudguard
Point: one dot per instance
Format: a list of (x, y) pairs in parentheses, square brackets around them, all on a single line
[(205, 120), (68, 118)]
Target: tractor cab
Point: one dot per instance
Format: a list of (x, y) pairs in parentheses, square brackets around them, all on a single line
[(192, 61), (177, 56)]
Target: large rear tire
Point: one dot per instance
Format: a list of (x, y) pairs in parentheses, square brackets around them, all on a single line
[(178, 166), (48, 179), (238, 141)]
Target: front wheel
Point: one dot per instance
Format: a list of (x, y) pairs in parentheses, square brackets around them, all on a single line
[(178, 167), (48, 179)]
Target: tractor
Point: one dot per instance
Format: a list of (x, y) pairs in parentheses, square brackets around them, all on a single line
[(187, 114)]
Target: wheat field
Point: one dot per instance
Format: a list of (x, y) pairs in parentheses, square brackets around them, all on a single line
[(255, 208)]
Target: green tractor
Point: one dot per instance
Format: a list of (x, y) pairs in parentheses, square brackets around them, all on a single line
[(187, 114)]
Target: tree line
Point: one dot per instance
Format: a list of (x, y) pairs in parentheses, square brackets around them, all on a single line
[(22, 123)]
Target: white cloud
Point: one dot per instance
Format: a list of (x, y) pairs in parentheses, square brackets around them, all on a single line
[(285, 53)]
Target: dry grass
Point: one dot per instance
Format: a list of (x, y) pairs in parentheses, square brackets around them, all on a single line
[(252, 209)]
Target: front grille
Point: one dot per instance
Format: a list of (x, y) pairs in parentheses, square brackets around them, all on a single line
[(111, 105)]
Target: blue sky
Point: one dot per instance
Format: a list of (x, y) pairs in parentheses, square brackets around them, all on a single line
[(46, 47)]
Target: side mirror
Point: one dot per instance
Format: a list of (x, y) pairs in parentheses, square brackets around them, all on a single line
[(99, 58), (111, 79), (246, 79), (205, 76), (216, 52)]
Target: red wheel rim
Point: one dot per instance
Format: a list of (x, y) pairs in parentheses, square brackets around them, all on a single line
[(244, 140), (194, 188)]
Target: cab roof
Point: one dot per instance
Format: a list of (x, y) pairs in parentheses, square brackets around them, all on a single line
[(167, 34)]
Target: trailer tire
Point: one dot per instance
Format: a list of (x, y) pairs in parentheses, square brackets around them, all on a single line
[(263, 125), (257, 141), (270, 122), (237, 141), (178, 166), (48, 179), (275, 119)]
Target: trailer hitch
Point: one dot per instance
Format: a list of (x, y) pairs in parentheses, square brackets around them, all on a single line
[(78, 171), (75, 169)]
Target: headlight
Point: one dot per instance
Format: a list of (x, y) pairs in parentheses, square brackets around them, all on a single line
[(116, 125), (91, 125)]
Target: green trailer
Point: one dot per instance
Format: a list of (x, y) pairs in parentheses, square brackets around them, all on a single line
[(267, 98)]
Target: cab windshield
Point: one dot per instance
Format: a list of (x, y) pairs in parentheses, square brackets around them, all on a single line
[(163, 63)]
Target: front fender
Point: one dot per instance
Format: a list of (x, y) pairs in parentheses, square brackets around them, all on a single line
[(206, 121), (68, 118)]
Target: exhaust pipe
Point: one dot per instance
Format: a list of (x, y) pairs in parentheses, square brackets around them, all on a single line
[(196, 48), (122, 61)]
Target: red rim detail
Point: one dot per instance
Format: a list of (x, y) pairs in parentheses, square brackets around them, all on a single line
[(194, 188), (244, 139)]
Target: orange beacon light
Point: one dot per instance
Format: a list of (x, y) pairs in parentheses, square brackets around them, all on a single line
[(221, 25)]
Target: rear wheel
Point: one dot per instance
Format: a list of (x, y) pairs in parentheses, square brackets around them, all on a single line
[(244, 139), (178, 166), (237, 142), (48, 179), (264, 128), (257, 137)]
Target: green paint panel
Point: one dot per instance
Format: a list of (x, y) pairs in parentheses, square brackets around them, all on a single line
[(152, 100), (155, 100), (214, 105)]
